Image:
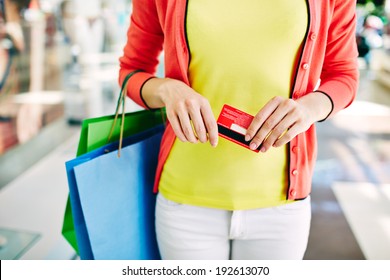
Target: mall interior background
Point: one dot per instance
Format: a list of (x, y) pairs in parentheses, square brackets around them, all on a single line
[(59, 65)]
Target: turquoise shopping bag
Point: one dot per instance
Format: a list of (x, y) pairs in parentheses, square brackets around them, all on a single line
[(113, 201)]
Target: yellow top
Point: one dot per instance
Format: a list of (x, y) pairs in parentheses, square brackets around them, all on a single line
[(242, 54)]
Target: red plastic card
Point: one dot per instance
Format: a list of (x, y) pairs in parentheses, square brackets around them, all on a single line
[(232, 125)]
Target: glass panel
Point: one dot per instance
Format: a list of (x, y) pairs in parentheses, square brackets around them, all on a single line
[(58, 61)]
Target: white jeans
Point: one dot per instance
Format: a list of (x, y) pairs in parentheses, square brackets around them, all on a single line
[(187, 232)]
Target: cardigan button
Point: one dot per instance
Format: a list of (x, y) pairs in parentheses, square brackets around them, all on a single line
[(313, 36), (295, 149), (293, 192), (305, 66), (294, 172)]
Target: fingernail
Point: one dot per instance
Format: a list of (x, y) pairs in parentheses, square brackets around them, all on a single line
[(247, 138), (253, 146), (262, 150)]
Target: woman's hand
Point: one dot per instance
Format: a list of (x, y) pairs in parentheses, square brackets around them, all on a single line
[(188, 112), (281, 119)]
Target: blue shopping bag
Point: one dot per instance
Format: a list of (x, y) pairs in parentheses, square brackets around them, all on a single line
[(113, 201), (83, 243)]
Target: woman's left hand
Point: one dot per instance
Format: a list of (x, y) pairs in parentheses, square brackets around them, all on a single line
[(281, 119)]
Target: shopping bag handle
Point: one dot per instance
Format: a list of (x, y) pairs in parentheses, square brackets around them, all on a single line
[(121, 101)]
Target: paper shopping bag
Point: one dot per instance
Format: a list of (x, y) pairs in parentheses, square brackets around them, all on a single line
[(114, 195), (95, 131), (94, 134)]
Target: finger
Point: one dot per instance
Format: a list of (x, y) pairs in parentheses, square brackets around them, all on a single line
[(278, 132), (261, 117), (299, 123), (288, 136), (198, 126), (211, 126), (212, 129), (267, 129), (186, 127), (176, 126)]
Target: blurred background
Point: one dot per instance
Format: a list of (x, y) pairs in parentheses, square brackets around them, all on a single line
[(59, 65)]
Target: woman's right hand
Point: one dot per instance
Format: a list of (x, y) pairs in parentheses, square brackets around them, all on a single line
[(188, 112)]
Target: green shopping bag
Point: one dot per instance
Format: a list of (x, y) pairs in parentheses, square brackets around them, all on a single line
[(97, 132)]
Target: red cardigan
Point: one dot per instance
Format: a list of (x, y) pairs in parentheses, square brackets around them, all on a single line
[(329, 55)]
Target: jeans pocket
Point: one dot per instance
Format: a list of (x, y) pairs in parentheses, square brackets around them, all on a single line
[(167, 203), (293, 208)]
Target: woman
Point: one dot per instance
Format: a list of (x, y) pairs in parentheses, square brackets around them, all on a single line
[(287, 63)]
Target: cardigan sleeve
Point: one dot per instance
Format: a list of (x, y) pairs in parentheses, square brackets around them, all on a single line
[(339, 77), (144, 44)]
